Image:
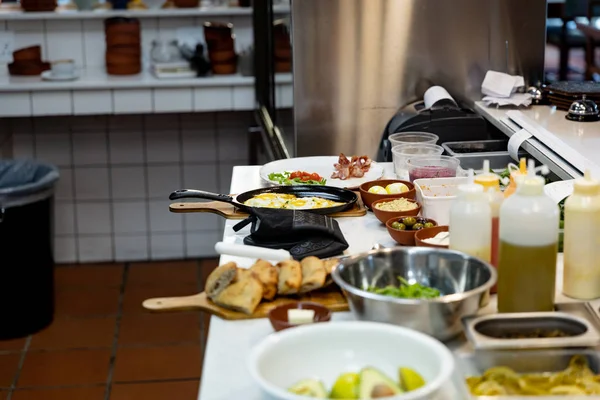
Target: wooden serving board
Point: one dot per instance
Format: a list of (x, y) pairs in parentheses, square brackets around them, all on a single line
[(230, 212), (332, 298)]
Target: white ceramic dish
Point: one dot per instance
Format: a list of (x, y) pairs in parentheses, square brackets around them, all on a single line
[(323, 166), (324, 351), (49, 76)]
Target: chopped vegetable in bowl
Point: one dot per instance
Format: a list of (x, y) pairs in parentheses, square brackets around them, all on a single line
[(297, 178), (407, 291)]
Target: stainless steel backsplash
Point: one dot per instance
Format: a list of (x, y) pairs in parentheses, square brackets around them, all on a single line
[(356, 62)]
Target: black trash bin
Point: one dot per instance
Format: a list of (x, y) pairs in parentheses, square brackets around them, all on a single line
[(26, 245)]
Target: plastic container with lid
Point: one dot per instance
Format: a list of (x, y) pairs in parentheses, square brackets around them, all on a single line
[(581, 279), (491, 185), (471, 221), (412, 137), (529, 222), (402, 152), (432, 167)]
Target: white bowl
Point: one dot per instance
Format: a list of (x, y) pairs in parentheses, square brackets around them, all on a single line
[(324, 351)]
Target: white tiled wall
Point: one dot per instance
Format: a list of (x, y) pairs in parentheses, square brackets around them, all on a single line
[(117, 173)]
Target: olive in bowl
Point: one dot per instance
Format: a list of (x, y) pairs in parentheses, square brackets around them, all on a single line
[(384, 209), (377, 190), (403, 229)]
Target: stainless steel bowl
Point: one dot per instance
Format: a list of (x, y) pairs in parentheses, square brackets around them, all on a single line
[(464, 282)]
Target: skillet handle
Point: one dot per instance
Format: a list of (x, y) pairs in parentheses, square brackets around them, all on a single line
[(199, 194)]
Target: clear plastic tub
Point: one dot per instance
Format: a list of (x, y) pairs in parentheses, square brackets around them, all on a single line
[(432, 167), (436, 196), (413, 137), (401, 153)]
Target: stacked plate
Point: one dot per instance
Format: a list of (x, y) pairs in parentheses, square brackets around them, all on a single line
[(123, 48)]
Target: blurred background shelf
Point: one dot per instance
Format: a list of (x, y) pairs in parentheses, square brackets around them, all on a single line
[(9, 14), (92, 79)]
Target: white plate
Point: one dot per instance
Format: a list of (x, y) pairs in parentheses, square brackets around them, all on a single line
[(558, 191), (321, 165), (48, 76)]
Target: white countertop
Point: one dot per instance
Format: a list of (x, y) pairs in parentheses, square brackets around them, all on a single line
[(574, 146), (225, 375)]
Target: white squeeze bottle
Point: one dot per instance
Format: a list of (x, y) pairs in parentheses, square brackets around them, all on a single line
[(471, 221), (581, 279), (529, 223)]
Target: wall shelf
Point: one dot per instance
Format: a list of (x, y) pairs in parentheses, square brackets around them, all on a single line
[(7, 14), (98, 79), (98, 93)]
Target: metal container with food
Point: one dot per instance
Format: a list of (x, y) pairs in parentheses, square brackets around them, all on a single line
[(463, 283), (530, 330), (531, 374), (472, 153)]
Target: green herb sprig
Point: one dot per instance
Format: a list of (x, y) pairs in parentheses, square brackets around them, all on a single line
[(407, 291)]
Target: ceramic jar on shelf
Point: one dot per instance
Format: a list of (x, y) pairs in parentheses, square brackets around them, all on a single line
[(123, 46), (221, 47)]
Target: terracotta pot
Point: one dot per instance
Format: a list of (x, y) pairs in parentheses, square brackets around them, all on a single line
[(283, 66), (28, 68), (117, 29), (32, 53), (222, 57), (125, 50), (124, 59), (225, 44), (186, 3), (120, 69), (217, 31), (224, 69), (283, 54), (116, 40), (120, 21)]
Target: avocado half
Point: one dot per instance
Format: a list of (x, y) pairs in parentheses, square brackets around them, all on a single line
[(310, 388), (375, 385)]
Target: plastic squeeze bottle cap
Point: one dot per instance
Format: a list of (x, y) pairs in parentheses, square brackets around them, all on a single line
[(488, 179), (586, 185), (530, 184), (470, 189), (521, 171)]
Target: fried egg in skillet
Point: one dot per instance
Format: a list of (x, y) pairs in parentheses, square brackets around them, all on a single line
[(289, 202)]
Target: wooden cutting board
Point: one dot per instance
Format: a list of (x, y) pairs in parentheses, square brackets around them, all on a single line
[(331, 298), (230, 212)]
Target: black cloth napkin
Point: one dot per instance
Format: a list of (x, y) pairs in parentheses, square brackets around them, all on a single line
[(302, 233)]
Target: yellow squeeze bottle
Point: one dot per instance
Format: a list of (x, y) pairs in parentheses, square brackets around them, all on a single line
[(581, 278)]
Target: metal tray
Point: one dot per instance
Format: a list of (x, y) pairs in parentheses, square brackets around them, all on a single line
[(472, 153), (525, 361), (490, 331)]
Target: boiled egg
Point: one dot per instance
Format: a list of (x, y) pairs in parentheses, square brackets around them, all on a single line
[(397, 187), (377, 190)]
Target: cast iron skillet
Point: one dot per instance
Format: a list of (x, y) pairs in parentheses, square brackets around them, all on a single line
[(345, 196)]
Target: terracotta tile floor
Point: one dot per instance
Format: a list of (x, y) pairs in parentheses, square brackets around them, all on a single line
[(103, 345)]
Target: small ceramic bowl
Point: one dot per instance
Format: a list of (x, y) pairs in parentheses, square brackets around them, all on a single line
[(278, 316), (369, 198), (406, 238), (384, 216), (428, 233)]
